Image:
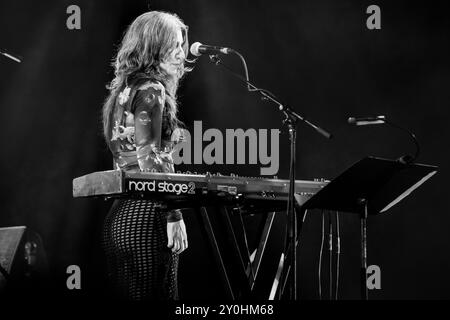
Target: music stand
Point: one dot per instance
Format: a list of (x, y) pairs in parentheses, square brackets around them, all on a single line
[(370, 186)]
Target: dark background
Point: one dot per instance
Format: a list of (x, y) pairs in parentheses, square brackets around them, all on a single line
[(318, 56)]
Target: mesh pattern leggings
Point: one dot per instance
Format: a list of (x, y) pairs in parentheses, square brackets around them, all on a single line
[(140, 266)]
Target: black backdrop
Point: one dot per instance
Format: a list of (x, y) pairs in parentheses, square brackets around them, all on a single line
[(318, 56)]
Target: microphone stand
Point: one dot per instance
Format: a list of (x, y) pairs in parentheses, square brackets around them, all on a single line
[(17, 59), (291, 120)]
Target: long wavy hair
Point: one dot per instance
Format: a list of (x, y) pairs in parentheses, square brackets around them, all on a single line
[(147, 42)]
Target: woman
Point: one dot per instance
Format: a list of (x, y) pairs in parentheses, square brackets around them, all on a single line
[(141, 238)]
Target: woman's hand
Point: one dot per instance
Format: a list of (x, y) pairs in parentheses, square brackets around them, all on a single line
[(176, 236)]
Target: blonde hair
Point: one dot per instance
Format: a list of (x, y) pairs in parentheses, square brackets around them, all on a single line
[(147, 42)]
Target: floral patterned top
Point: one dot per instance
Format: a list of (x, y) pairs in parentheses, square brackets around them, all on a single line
[(140, 137)]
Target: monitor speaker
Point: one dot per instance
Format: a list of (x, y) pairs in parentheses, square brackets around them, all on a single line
[(22, 258)]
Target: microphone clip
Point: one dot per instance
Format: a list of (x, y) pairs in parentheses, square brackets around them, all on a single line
[(214, 59)]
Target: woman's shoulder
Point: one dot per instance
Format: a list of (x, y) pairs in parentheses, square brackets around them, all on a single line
[(151, 89), (149, 93), (151, 85)]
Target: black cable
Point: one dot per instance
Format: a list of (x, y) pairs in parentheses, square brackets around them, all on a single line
[(250, 87), (338, 252), (297, 241), (320, 255), (330, 248)]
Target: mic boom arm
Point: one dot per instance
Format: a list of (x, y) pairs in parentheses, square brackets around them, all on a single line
[(267, 95)]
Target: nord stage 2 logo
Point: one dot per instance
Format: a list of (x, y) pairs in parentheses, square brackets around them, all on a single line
[(160, 186)]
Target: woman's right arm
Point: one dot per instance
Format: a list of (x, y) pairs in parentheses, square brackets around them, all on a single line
[(148, 110)]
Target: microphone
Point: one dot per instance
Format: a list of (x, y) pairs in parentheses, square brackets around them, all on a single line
[(367, 120), (197, 49), (17, 59), (405, 159)]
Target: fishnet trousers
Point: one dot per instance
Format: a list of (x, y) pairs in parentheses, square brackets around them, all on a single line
[(140, 266)]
